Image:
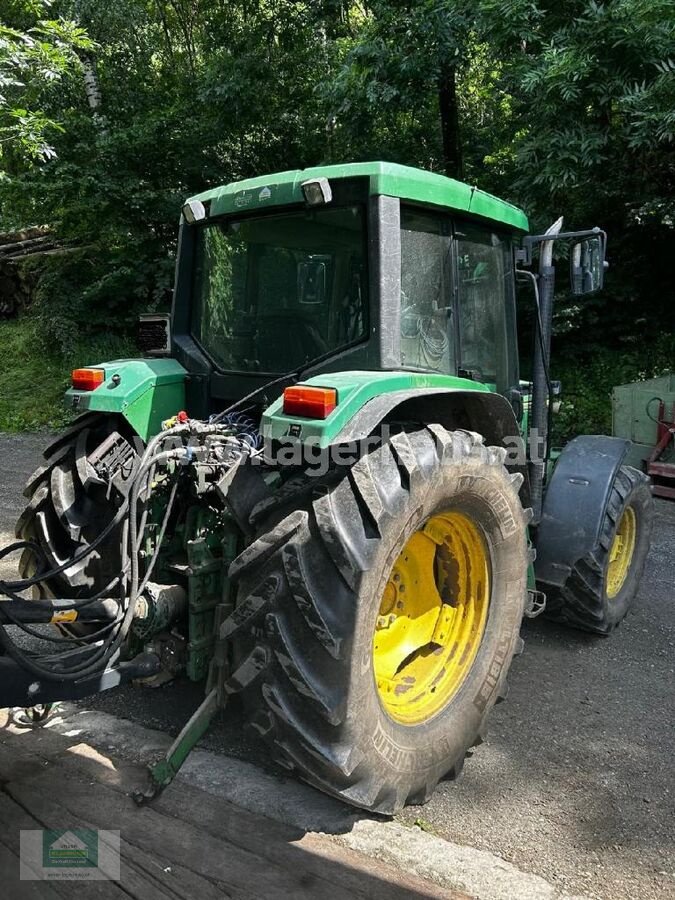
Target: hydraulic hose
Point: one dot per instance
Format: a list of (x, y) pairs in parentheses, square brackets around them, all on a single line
[(106, 642), (104, 652)]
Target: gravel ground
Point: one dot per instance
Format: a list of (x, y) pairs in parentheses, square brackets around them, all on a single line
[(576, 782)]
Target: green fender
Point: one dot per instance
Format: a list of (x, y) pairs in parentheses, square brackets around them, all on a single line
[(356, 393), (145, 391), (365, 399)]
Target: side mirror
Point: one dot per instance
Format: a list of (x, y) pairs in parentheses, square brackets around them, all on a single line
[(587, 265)]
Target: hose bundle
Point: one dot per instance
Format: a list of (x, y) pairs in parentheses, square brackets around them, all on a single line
[(187, 441)]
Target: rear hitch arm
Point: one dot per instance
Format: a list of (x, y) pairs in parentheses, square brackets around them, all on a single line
[(19, 687)]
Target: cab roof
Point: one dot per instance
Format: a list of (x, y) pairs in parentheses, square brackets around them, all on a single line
[(389, 179)]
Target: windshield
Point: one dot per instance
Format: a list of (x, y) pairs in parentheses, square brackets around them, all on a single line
[(272, 293)]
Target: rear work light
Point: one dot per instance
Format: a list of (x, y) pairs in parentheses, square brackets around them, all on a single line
[(87, 379), (309, 402)]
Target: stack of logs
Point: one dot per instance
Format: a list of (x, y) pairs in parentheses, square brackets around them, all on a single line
[(15, 280)]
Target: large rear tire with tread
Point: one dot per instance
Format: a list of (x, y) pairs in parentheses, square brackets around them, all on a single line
[(68, 508), (602, 586), (311, 592)]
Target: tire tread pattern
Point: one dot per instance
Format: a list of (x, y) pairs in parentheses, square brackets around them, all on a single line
[(582, 603), (315, 556)]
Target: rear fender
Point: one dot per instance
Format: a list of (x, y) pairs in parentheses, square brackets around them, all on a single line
[(486, 413), (145, 392), (367, 400)]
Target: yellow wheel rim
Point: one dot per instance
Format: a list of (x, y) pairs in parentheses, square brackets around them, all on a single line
[(621, 553), (432, 617)]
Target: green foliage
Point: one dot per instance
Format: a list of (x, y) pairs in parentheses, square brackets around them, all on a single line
[(34, 376), (113, 113), (33, 63), (588, 377)]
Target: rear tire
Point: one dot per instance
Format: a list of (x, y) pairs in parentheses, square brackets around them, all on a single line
[(309, 597), (68, 508), (603, 585)]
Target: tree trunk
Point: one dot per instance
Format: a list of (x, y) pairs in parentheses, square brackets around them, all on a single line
[(91, 87), (449, 111)]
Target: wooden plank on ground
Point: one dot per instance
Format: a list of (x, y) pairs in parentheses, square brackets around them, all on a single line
[(15, 889), (289, 846), (175, 882), (13, 819), (276, 842), (64, 798), (189, 843)]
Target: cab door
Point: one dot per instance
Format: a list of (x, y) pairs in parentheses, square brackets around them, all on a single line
[(485, 295), (426, 314)]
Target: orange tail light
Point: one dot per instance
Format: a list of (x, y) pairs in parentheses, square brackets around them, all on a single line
[(87, 379), (309, 402)]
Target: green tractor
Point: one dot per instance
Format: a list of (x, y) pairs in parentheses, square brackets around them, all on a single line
[(325, 488)]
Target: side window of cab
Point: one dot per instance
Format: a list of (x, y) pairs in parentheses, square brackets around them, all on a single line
[(427, 329), (486, 305)]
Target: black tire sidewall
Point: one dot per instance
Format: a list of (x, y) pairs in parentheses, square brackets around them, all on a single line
[(640, 499), (482, 492)]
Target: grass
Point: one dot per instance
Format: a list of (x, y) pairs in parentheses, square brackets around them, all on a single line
[(588, 378), (423, 825), (34, 376)]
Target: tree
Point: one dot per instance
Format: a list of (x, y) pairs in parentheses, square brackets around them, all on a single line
[(594, 135), (561, 106), (397, 81), (32, 63)]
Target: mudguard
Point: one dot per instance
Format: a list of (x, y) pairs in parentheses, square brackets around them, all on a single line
[(574, 505), (367, 399), (144, 391)]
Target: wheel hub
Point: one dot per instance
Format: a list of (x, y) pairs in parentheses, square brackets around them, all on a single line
[(621, 553), (432, 617)]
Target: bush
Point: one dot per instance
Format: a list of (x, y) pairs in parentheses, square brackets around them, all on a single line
[(35, 373), (588, 378)]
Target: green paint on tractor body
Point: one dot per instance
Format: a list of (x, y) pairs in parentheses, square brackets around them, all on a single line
[(395, 288), (145, 392), (385, 179), (354, 390)]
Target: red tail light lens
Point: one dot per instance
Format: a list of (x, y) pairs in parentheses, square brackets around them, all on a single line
[(309, 402), (87, 379)]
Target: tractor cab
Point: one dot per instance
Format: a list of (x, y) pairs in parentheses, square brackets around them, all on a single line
[(369, 266)]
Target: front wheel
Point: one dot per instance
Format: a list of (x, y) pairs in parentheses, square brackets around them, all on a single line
[(603, 585), (387, 609)]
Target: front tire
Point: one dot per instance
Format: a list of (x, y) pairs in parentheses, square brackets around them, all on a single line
[(316, 587), (602, 586)]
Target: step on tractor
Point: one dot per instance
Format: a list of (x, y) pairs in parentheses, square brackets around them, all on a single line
[(324, 488)]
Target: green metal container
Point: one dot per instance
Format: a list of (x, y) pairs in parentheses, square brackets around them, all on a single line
[(635, 408)]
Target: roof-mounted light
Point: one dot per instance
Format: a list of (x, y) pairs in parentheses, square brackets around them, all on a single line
[(317, 191), (194, 211)]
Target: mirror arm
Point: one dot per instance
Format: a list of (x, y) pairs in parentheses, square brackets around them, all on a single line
[(524, 254)]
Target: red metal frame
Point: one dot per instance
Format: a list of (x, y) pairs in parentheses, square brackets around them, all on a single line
[(656, 468)]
